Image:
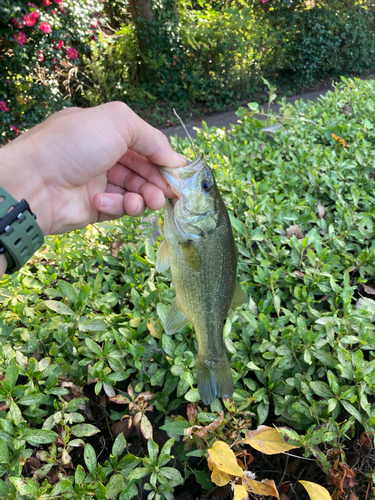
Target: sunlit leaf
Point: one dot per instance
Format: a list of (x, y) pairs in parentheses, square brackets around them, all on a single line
[(224, 459), (267, 440), (315, 491), (239, 492), (267, 487)]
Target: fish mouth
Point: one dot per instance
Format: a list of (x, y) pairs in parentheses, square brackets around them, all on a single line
[(180, 179)]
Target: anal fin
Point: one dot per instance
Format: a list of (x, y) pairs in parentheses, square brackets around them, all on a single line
[(175, 319), (239, 297)]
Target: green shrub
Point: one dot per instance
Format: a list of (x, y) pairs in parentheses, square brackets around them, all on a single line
[(87, 315)]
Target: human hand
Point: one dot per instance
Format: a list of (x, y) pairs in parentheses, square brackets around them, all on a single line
[(82, 166)]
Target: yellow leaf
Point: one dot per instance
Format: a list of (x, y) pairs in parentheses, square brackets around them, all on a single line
[(267, 440), (266, 487), (135, 322), (217, 477), (240, 492), (155, 327), (315, 491), (224, 459)]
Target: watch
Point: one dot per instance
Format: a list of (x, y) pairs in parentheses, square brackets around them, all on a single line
[(20, 234)]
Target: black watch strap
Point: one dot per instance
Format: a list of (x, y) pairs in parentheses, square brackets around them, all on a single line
[(20, 234)]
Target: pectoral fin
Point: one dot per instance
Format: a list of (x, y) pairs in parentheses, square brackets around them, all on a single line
[(175, 319), (162, 258), (191, 255), (239, 297)]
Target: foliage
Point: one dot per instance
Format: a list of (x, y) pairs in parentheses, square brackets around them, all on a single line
[(42, 46), (89, 373)]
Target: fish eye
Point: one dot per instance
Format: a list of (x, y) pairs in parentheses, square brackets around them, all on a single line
[(206, 186)]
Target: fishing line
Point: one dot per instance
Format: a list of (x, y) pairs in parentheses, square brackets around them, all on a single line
[(187, 133)]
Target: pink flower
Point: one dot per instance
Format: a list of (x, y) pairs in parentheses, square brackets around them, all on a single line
[(32, 5), (40, 55), (54, 12), (16, 129), (264, 1), (72, 53), (30, 19), (58, 1), (3, 106), (46, 2), (20, 38), (45, 27), (60, 44)]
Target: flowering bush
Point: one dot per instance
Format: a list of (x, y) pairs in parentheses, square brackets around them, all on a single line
[(41, 45)]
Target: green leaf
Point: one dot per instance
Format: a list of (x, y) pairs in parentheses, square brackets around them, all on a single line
[(115, 486), (93, 325), (192, 396), (63, 486), (25, 487), (321, 389), (33, 399), (4, 452), (84, 430), (153, 450), (36, 437), (58, 307), (203, 479), (79, 475), (138, 473), (119, 445), (89, 456), (94, 347), (11, 374), (165, 454), (68, 291), (173, 475), (177, 427)]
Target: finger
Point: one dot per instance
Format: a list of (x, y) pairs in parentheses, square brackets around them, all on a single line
[(133, 171), (152, 195), (139, 135), (115, 205)]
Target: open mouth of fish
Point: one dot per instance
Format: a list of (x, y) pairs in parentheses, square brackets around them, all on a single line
[(182, 180)]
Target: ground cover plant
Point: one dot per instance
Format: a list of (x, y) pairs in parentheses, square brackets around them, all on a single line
[(96, 401)]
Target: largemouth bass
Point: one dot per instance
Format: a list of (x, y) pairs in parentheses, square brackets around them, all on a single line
[(200, 249)]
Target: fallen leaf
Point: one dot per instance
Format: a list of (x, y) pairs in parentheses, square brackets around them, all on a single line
[(267, 440), (299, 274), (321, 210), (240, 492), (266, 488), (369, 289), (340, 140), (294, 231), (224, 459), (218, 477), (315, 491)]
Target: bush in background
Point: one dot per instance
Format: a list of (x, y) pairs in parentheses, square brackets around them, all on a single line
[(42, 45)]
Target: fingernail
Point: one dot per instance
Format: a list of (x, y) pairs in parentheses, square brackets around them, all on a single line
[(139, 209), (180, 158), (106, 202)]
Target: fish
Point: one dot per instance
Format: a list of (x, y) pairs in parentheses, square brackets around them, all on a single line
[(200, 249)]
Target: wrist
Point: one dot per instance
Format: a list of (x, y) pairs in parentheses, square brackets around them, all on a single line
[(22, 185)]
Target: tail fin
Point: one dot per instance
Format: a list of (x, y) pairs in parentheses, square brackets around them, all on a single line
[(214, 379)]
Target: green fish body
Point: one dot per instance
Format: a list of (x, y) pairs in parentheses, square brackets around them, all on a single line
[(200, 249)]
